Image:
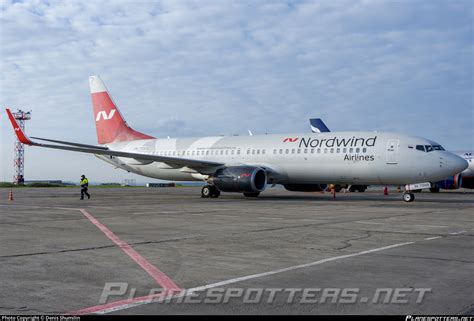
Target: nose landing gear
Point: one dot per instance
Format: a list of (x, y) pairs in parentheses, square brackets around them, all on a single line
[(408, 197)]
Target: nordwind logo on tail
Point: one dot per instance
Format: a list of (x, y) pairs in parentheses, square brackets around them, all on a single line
[(104, 115)]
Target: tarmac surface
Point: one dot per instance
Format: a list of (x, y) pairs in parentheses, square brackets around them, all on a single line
[(361, 253)]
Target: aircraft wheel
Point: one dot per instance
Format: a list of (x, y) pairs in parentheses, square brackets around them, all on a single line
[(252, 194), (215, 193), (206, 191), (408, 197)]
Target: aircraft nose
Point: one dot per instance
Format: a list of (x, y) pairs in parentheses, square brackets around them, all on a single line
[(457, 163)]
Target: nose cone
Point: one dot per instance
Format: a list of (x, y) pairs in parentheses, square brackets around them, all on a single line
[(456, 163)]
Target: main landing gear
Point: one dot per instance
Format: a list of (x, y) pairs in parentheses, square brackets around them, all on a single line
[(210, 191), (408, 197)]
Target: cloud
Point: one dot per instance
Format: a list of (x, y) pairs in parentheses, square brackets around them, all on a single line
[(184, 68)]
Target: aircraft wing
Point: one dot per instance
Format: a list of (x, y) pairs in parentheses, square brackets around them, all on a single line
[(101, 150)]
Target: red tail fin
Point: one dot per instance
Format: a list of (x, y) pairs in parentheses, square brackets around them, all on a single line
[(109, 122)]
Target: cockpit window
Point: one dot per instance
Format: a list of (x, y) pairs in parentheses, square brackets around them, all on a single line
[(427, 148)]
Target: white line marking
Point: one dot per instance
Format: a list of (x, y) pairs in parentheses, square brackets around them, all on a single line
[(363, 222), (432, 238), (440, 226), (249, 277), (456, 233), (268, 218)]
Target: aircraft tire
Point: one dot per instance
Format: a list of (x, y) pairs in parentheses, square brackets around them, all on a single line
[(408, 197), (206, 191), (215, 193)]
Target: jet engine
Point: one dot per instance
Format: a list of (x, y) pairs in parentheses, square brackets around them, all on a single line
[(453, 182), (240, 179)]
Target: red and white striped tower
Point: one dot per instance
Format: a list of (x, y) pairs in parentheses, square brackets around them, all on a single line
[(19, 160)]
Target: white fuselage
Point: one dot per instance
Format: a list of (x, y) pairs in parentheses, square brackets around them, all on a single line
[(334, 157), (469, 157)]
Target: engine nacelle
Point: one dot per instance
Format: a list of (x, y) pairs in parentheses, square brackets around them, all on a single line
[(305, 187), (240, 179), (453, 182)]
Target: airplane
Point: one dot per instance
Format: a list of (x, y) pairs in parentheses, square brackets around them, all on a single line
[(248, 164), (464, 179)]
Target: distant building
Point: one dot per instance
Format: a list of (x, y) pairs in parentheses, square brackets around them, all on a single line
[(160, 185), (45, 181), (129, 182)]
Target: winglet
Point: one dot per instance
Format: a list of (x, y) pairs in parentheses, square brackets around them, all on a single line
[(19, 133), (318, 126)]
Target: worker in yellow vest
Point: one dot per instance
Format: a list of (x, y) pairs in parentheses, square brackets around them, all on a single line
[(84, 187)]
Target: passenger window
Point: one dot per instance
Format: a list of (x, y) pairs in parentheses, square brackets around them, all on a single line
[(319, 150), (238, 151), (248, 151), (325, 151), (287, 151), (344, 150), (263, 152), (364, 150), (351, 150), (274, 151), (312, 150), (293, 151), (357, 150), (338, 150), (281, 151), (306, 151), (298, 151), (332, 150)]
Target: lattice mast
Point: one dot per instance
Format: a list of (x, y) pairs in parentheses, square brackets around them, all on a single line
[(19, 160)]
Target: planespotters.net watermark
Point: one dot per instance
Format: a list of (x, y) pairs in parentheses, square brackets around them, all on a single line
[(438, 318), (120, 290)]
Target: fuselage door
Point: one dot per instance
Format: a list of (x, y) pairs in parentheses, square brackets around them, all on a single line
[(392, 151)]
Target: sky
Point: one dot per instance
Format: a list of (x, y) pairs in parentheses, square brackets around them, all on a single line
[(197, 68)]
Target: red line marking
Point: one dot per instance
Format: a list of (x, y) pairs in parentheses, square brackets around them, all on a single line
[(162, 279), (104, 307)]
